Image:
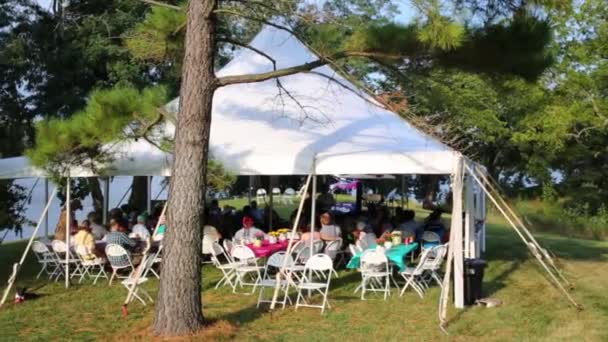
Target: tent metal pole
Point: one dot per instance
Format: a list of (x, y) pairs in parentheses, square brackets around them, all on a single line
[(149, 195), (289, 244), (249, 189), (46, 213), (17, 266), (402, 190), (313, 211), (271, 203), (106, 200), (68, 224)]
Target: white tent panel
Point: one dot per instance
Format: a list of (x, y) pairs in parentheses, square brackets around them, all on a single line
[(311, 125)]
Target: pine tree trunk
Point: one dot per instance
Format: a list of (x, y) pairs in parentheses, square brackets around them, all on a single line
[(138, 200), (179, 307), (96, 194)]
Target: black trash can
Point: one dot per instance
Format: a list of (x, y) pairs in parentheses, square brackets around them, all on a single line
[(473, 280)]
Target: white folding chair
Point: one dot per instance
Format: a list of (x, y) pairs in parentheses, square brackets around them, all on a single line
[(227, 243), (153, 259), (375, 273), (47, 259), (261, 195), (430, 239), (247, 267), (317, 264), (227, 268), (206, 246), (274, 263), (119, 260), (433, 264), (60, 249), (413, 275), (288, 195), (317, 246), (90, 265), (353, 250), (361, 245), (333, 248)]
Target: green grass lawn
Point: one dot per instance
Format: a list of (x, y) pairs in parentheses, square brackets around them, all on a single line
[(532, 310)]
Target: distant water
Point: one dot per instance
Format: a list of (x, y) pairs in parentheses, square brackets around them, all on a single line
[(34, 209)]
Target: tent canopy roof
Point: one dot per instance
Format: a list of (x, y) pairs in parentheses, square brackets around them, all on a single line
[(318, 122)]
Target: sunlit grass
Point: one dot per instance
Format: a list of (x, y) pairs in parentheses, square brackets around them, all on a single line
[(532, 310)]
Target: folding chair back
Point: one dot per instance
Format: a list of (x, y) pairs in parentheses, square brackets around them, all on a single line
[(242, 253), (320, 263), (208, 240), (373, 260), (361, 245), (435, 256), (59, 247), (303, 255), (277, 259), (430, 237), (41, 251), (118, 256), (227, 246), (332, 248), (296, 248), (408, 233), (276, 191), (216, 251)]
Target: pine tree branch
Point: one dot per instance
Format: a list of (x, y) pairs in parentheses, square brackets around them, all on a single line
[(261, 77), (162, 4)]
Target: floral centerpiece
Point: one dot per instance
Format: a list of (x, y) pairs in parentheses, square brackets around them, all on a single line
[(385, 240), (273, 237), (283, 233), (396, 238), (259, 237)]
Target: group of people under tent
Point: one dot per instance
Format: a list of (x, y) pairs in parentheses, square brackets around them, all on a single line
[(368, 226), (126, 227)]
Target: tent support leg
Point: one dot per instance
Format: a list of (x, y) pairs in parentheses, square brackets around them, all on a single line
[(282, 271), (270, 183), (106, 200), (17, 266), (534, 249), (68, 224), (313, 211), (149, 195), (46, 214)]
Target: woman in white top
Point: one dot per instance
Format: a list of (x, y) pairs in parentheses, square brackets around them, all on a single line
[(248, 232), (329, 231)]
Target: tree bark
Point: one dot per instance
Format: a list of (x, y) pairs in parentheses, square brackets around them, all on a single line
[(138, 199), (179, 308), (96, 194)]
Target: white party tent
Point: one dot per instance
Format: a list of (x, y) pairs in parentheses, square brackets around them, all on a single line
[(319, 123)]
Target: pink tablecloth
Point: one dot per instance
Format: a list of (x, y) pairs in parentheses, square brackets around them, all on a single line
[(267, 249)]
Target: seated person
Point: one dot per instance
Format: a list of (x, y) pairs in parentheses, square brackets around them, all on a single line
[(433, 223), (162, 228), (97, 229), (140, 230), (118, 236), (85, 238), (248, 232), (329, 231), (365, 234), (258, 214), (306, 235), (409, 224)]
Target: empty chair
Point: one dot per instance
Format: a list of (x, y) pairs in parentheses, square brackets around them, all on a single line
[(90, 264), (247, 268), (120, 260), (154, 259), (317, 264), (288, 195), (375, 272), (60, 249), (433, 263), (274, 263), (227, 268), (47, 260), (261, 195), (413, 275)]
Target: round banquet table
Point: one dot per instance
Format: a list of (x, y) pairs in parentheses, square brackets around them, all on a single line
[(267, 249)]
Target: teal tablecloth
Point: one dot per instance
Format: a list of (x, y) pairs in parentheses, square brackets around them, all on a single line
[(395, 255)]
